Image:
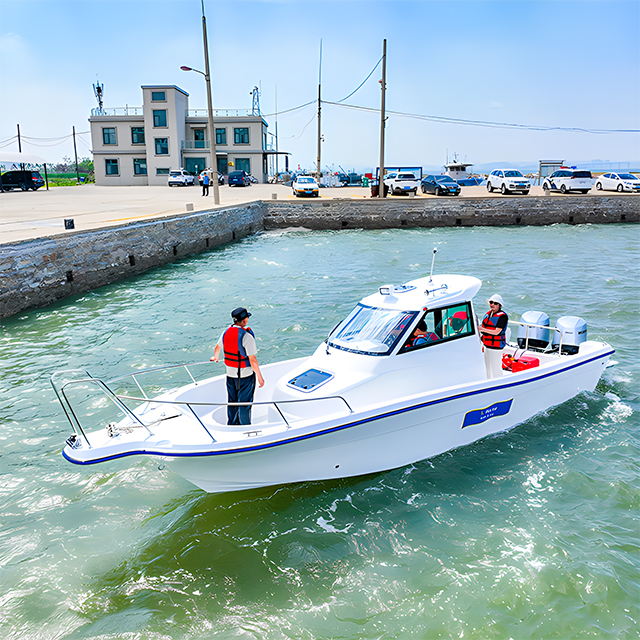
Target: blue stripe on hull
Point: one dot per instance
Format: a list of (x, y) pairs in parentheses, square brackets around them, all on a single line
[(269, 445)]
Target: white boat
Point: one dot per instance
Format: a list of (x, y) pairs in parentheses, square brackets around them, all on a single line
[(365, 401), (459, 171)]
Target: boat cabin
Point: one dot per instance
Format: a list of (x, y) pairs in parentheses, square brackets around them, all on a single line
[(401, 340)]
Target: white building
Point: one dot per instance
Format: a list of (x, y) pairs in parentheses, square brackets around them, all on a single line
[(140, 145)]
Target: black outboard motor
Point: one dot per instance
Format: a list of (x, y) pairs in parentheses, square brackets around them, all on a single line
[(538, 337), (574, 333)]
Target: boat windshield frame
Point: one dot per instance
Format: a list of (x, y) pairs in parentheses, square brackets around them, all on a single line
[(393, 322)]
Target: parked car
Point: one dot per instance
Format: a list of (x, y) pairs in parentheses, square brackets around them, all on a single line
[(566, 180), (402, 183), (180, 177), (22, 179), (201, 177), (618, 182), (508, 180), (305, 186), (440, 186), (239, 179)]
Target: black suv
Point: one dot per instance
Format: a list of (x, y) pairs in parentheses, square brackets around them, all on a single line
[(24, 179)]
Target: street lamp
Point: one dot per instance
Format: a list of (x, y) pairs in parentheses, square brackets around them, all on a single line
[(212, 132)]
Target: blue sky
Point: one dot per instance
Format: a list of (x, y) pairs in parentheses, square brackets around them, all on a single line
[(549, 63)]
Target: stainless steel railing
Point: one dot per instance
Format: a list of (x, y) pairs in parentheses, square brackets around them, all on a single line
[(538, 326), (60, 389)]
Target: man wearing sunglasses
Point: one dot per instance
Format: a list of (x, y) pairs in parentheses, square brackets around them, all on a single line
[(493, 332)]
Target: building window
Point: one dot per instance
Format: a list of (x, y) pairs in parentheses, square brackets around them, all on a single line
[(109, 135), (162, 146), (264, 141), (137, 135), (241, 135), (158, 96), (111, 168), (223, 166), (159, 117), (243, 164), (162, 171), (139, 166), (221, 136), (198, 137)]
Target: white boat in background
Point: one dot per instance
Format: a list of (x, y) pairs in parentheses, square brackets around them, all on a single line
[(366, 401), (459, 171)]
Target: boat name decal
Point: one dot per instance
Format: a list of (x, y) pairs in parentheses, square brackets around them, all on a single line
[(478, 416)]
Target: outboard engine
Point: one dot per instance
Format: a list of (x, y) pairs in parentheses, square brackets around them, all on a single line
[(574, 333), (538, 337)]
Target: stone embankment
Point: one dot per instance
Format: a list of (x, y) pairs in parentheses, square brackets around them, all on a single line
[(38, 272)]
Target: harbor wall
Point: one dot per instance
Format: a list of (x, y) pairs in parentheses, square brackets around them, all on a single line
[(38, 272)]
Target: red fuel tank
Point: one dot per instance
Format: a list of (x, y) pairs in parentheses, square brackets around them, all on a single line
[(519, 364)]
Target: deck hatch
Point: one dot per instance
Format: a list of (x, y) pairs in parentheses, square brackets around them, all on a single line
[(310, 379)]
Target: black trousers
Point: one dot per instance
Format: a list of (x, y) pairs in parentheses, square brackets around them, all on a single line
[(205, 189), (240, 390)]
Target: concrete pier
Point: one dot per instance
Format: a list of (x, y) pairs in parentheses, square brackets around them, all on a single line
[(55, 263)]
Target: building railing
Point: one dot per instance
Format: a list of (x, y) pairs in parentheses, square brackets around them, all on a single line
[(196, 144), (118, 111), (217, 113)]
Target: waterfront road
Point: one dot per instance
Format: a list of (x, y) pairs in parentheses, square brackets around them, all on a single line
[(28, 215)]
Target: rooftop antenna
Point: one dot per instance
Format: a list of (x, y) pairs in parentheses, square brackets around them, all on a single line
[(255, 107), (432, 263), (98, 91)]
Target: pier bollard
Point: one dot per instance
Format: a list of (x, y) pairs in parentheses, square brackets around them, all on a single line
[(189, 206), (274, 196), (69, 224)]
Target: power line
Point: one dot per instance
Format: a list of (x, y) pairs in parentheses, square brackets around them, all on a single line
[(483, 123), (362, 83)]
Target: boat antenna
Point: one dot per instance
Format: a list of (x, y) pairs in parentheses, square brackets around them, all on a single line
[(433, 262)]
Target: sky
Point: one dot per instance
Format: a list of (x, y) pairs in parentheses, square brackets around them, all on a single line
[(544, 63)]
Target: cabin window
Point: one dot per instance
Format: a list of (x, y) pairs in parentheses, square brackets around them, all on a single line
[(371, 330), (441, 325)]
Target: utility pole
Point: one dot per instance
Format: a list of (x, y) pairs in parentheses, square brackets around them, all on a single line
[(212, 131), (319, 170), (75, 151), (19, 141), (276, 133), (383, 82)]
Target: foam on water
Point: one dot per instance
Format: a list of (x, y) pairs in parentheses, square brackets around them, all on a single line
[(527, 534)]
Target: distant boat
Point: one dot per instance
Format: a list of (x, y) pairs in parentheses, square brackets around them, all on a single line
[(458, 171)]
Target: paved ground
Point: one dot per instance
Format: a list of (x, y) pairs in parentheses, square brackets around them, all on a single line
[(28, 215)]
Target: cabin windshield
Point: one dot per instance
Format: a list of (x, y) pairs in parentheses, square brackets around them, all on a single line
[(370, 330)]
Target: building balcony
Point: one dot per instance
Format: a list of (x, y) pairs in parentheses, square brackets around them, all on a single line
[(196, 144), (118, 111)]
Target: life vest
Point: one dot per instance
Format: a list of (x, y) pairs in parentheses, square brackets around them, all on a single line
[(418, 340), (491, 322), (235, 355)]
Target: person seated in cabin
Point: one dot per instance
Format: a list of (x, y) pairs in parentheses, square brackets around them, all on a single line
[(421, 335)]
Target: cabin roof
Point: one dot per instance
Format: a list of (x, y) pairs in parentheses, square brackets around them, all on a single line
[(432, 293)]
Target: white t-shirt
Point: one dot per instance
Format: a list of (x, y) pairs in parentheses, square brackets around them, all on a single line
[(249, 344)]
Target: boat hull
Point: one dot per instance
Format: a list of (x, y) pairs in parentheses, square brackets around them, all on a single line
[(393, 435)]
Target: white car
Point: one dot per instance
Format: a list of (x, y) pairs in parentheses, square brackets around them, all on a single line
[(402, 183), (305, 186), (566, 180), (618, 182), (508, 180), (180, 177)]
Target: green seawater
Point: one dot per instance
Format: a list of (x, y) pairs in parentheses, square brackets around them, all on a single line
[(533, 533)]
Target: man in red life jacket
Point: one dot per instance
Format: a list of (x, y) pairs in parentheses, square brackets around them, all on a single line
[(239, 346), (493, 332)]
